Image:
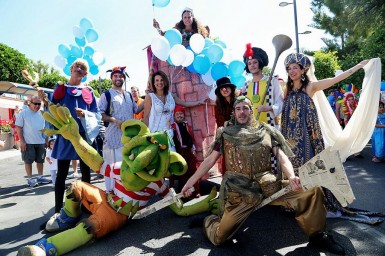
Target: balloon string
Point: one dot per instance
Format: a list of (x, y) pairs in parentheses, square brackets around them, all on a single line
[(207, 119), (153, 10)]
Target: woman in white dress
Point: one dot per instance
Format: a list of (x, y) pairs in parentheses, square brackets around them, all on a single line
[(159, 105)]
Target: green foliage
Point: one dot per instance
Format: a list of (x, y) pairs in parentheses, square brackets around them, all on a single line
[(12, 62), (325, 63), (100, 85), (375, 48), (50, 80)]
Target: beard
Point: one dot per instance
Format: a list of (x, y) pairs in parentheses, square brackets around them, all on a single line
[(118, 83)]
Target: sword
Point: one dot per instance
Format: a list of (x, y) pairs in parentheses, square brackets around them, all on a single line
[(168, 200)]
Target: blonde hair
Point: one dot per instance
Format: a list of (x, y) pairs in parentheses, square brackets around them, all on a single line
[(80, 62)]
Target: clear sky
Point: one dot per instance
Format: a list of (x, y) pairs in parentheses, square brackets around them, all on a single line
[(36, 28)]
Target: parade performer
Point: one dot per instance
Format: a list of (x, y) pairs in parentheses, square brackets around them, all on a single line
[(184, 145), (302, 129), (146, 161), (255, 60), (250, 179), (348, 107)]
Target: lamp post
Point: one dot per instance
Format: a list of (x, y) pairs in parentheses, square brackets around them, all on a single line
[(294, 3)]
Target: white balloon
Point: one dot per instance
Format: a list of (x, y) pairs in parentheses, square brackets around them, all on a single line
[(197, 43), (189, 58), (160, 47), (98, 58), (208, 78), (178, 54), (60, 61), (212, 94)]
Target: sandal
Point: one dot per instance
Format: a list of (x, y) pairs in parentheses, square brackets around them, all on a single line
[(376, 160)]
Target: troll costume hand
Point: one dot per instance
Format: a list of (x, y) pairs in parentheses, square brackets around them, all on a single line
[(61, 118)]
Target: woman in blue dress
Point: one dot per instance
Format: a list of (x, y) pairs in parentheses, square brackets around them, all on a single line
[(300, 124)]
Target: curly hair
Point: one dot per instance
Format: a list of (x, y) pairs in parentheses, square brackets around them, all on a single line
[(196, 25), (165, 81)]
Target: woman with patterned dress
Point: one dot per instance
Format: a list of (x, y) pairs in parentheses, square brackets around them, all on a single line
[(301, 128), (300, 124)]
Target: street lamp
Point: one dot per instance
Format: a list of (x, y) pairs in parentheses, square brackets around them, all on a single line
[(294, 3)]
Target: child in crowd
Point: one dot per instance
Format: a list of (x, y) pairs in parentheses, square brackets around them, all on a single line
[(378, 137), (350, 105), (184, 145), (52, 162)]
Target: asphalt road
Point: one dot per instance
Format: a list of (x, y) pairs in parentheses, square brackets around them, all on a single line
[(267, 232)]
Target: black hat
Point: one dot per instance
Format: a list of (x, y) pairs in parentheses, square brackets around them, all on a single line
[(255, 53), (224, 82)]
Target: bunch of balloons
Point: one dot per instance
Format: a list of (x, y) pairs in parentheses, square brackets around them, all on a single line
[(203, 56), (85, 34)]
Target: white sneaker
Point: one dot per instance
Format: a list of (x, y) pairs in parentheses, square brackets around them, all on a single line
[(73, 175), (32, 182)]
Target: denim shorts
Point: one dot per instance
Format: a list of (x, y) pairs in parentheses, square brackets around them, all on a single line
[(34, 153)]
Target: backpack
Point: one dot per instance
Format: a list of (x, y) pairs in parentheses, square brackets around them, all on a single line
[(108, 109)]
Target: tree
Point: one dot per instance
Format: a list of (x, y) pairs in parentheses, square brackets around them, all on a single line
[(50, 80), (12, 62), (100, 85), (375, 48), (325, 63)]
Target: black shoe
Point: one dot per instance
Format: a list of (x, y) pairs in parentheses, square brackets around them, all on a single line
[(324, 241)]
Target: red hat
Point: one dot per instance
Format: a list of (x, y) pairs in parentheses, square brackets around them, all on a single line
[(178, 108), (120, 70)]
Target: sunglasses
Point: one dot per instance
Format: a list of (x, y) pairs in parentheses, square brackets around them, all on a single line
[(34, 103)]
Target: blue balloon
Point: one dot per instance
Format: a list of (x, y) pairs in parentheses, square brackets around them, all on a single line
[(84, 79), (236, 68), (67, 70), (94, 70), (238, 81), (88, 50), (173, 36), (71, 59), (208, 42), (86, 24), (91, 35), (76, 51), (215, 53), (221, 43), (80, 41), (89, 60), (160, 3), (204, 51), (64, 50), (191, 68), (201, 64), (219, 70)]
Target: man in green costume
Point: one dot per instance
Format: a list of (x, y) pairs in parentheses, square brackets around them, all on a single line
[(247, 147)]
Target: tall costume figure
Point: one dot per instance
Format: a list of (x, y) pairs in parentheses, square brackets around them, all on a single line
[(187, 84)]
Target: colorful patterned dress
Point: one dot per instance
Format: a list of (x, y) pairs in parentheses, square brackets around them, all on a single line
[(300, 127)]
